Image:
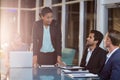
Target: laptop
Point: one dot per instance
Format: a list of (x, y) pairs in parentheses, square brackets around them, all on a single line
[(20, 74), (19, 59)]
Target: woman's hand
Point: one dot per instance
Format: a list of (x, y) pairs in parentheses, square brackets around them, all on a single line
[(35, 64), (60, 63)]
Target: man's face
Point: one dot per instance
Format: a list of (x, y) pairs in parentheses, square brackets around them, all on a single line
[(90, 40), (107, 41), (47, 18)]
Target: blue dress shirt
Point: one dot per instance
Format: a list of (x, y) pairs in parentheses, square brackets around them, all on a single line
[(46, 44)]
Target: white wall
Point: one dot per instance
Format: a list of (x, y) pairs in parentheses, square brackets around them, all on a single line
[(110, 1), (102, 18)]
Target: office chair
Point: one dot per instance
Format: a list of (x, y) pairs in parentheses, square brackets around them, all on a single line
[(68, 55)]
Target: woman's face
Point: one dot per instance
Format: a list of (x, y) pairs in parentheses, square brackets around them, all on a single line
[(47, 18)]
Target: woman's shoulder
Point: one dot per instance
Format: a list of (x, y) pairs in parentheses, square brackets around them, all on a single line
[(39, 22)]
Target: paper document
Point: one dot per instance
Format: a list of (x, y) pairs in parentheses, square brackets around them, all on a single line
[(78, 71), (72, 67), (82, 75), (47, 66)]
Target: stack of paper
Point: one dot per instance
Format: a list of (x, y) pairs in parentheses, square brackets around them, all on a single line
[(78, 71)]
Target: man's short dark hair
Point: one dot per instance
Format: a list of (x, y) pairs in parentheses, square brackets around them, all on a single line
[(45, 10), (98, 36), (114, 37)]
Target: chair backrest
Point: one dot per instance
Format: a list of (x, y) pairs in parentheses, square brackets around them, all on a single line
[(68, 55)]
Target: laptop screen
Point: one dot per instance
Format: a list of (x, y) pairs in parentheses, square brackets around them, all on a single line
[(20, 59)]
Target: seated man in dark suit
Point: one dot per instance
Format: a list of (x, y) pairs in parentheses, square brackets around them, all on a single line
[(111, 69), (93, 57)]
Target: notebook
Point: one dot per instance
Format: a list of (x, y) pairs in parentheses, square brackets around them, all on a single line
[(20, 59)]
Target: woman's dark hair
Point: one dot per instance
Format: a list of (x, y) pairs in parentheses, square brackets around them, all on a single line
[(114, 37), (98, 36), (45, 10)]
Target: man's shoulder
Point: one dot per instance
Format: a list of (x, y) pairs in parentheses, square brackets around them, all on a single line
[(101, 50), (117, 51), (115, 56)]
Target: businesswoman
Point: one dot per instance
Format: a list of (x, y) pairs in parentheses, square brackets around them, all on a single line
[(47, 39)]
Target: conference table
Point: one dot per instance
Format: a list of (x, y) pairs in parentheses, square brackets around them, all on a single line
[(41, 73)]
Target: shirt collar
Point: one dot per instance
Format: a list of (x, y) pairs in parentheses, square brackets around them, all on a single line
[(109, 54), (89, 50), (45, 27)]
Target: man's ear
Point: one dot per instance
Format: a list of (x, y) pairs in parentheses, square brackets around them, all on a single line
[(96, 41)]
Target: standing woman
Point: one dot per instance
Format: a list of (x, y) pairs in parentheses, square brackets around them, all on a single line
[(46, 40)]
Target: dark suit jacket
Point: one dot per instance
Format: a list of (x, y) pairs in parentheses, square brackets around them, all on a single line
[(96, 61), (111, 70), (55, 33)]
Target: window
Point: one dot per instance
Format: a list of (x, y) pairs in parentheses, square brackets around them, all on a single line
[(89, 18), (11, 20), (26, 24), (28, 3), (57, 14), (41, 2), (56, 1), (70, 0), (8, 24), (9, 3), (114, 19), (72, 27)]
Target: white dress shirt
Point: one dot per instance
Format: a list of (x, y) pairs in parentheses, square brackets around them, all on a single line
[(88, 56)]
